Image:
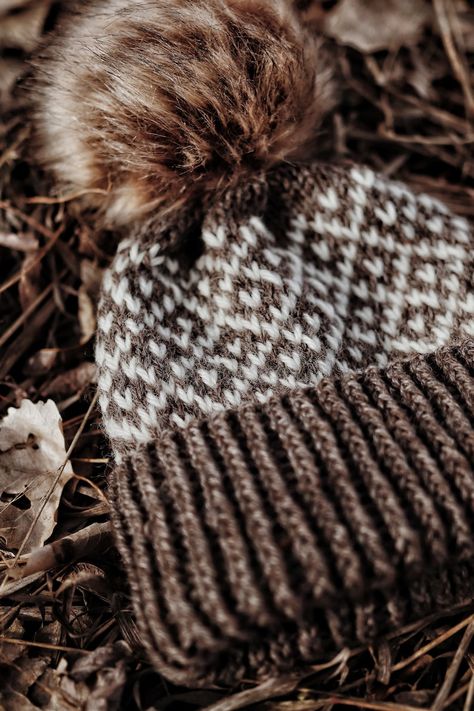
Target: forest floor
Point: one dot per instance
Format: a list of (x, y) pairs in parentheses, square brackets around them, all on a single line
[(67, 636)]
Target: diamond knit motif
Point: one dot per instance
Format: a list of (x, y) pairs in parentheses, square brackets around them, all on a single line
[(363, 270)]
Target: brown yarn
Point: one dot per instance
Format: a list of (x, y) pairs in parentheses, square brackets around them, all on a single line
[(268, 516), (271, 535)]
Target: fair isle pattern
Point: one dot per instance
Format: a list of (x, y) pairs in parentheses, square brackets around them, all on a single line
[(364, 270)]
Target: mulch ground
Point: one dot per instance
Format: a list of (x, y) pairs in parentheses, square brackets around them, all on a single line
[(67, 637)]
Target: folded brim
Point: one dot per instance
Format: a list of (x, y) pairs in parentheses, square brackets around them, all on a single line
[(268, 537)]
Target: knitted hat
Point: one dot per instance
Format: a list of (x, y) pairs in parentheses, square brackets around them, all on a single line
[(287, 384)]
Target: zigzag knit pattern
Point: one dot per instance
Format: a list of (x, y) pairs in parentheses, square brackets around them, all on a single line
[(365, 269), (288, 388)]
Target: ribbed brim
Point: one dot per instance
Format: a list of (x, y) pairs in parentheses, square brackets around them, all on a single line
[(268, 537)]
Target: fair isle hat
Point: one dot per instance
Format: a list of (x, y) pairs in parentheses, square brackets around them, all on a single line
[(287, 382)]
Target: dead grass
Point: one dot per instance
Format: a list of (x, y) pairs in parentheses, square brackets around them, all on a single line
[(68, 639)]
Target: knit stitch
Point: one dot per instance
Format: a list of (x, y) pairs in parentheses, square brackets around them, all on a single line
[(364, 269), (267, 537), (288, 388)]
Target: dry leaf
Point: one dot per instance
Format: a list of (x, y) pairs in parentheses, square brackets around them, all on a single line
[(99, 659), (95, 682), (106, 667), (55, 690), (373, 25), (29, 287), (17, 680), (91, 277), (42, 361), (421, 698), (86, 313), (32, 452), (9, 653), (71, 381)]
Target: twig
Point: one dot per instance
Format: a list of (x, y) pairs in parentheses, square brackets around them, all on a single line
[(424, 140), (38, 257), (94, 538), (269, 689), (444, 22), (42, 645), (37, 226), (11, 150), (366, 704), (60, 200), (26, 338), (435, 643), (469, 702), (21, 319), (452, 672), (442, 117), (460, 692), (12, 586), (100, 494)]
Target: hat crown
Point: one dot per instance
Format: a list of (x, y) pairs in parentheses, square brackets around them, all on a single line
[(363, 269)]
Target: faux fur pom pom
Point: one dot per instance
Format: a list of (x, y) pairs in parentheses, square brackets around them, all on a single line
[(144, 106)]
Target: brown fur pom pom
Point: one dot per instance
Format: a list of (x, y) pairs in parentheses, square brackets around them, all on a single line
[(162, 102)]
